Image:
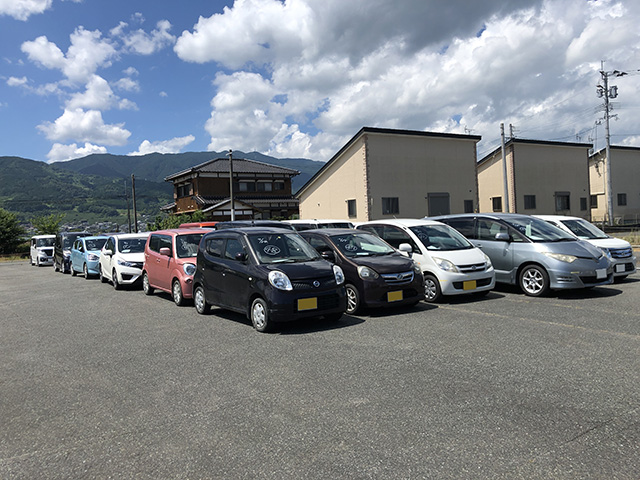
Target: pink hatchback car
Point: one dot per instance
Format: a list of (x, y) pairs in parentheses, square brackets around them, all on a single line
[(170, 262)]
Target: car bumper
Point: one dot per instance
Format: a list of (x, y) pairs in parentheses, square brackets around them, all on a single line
[(580, 274), (624, 266), (381, 294), (45, 260), (128, 275), (291, 306), (461, 283)]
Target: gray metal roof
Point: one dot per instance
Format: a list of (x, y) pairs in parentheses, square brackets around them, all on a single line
[(240, 165)]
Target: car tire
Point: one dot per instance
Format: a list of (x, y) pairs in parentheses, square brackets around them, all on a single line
[(200, 301), (114, 280), (432, 290), (353, 298), (101, 276), (534, 281), (176, 293), (260, 315), (71, 271), (146, 286), (85, 271)]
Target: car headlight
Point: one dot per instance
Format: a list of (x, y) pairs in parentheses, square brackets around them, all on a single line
[(561, 257), (127, 264), (606, 252), (488, 260), (367, 273), (189, 268), (446, 265), (279, 280), (93, 258), (339, 274)]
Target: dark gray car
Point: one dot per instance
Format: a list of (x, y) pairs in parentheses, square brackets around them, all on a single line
[(533, 254)]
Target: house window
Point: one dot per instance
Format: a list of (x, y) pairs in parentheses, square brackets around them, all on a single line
[(593, 199), (529, 202), (496, 203), (563, 201), (246, 186), (351, 208), (438, 204), (183, 190), (622, 199), (265, 186), (390, 206), (468, 206), (583, 203), (278, 186)]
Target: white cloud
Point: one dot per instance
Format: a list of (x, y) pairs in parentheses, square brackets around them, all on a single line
[(23, 9), (88, 52), (97, 96), (144, 43), (84, 126), (62, 153), (166, 146), (128, 85), (17, 82)]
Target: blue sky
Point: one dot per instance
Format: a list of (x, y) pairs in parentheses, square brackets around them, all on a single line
[(298, 78)]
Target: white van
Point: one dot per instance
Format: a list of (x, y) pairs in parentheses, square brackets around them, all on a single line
[(41, 251), (622, 258), (451, 265), (300, 225)]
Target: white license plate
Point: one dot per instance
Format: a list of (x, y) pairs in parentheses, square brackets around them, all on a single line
[(601, 273), (620, 268)]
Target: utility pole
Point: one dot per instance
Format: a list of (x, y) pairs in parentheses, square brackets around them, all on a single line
[(233, 210), (126, 196), (135, 212), (504, 171), (608, 92)]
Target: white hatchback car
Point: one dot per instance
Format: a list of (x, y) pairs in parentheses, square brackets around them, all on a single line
[(450, 263), (622, 258), (41, 250), (122, 258)]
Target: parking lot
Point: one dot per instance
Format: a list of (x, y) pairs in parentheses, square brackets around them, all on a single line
[(97, 383)]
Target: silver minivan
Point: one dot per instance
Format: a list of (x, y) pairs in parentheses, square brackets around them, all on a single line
[(532, 253)]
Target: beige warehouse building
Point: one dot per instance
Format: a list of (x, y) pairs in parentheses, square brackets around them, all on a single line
[(387, 173), (543, 177)]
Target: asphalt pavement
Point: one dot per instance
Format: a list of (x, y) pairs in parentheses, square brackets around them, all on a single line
[(98, 383)]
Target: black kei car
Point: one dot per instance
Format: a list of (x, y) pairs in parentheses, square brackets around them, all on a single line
[(270, 274), (62, 250), (376, 274)]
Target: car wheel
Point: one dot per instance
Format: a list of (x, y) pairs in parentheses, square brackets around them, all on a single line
[(71, 270), (534, 281), (146, 286), (432, 291), (260, 315), (114, 280), (353, 299), (200, 301), (176, 291), (85, 271)]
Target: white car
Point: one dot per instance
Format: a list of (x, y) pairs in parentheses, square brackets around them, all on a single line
[(41, 251), (451, 265), (621, 252), (301, 225), (122, 258)]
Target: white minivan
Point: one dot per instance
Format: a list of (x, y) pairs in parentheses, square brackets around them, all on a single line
[(451, 265), (41, 251), (622, 258)]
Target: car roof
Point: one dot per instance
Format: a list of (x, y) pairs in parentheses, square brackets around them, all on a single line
[(331, 231), (249, 230), (405, 222), (180, 231), (495, 215), (43, 236), (558, 217), (131, 235)]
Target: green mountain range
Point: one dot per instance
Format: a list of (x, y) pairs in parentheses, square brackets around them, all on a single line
[(96, 188)]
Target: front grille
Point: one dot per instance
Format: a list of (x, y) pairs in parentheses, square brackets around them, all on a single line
[(397, 278), (48, 251), (474, 267), (592, 279), (621, 252), (308, 284), (136, 265), (483, 282)]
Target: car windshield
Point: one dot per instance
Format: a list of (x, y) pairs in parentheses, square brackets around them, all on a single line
[(361, 245), (95, 243), (68, 240), (131, 245), (538, 230), (282, 248), (583, 229), (44, 242), (187, 245), (440, 237)]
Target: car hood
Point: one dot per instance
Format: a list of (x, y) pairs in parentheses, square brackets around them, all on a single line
[(385, 264), (579, 248), (466, 256), (295, 271), (609, 243)]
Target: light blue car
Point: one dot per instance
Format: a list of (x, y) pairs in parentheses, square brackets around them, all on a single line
[(85, 255)]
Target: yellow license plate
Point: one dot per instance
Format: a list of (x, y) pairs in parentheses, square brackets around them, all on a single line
[(469, 285), (394, 296), (307, 304)]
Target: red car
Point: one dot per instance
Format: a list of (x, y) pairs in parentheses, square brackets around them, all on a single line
[(170, 262)]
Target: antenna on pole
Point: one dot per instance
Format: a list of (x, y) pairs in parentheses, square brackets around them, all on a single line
[(233, 210)]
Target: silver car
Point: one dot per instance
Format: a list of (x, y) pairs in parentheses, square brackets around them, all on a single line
[(533, 254)]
